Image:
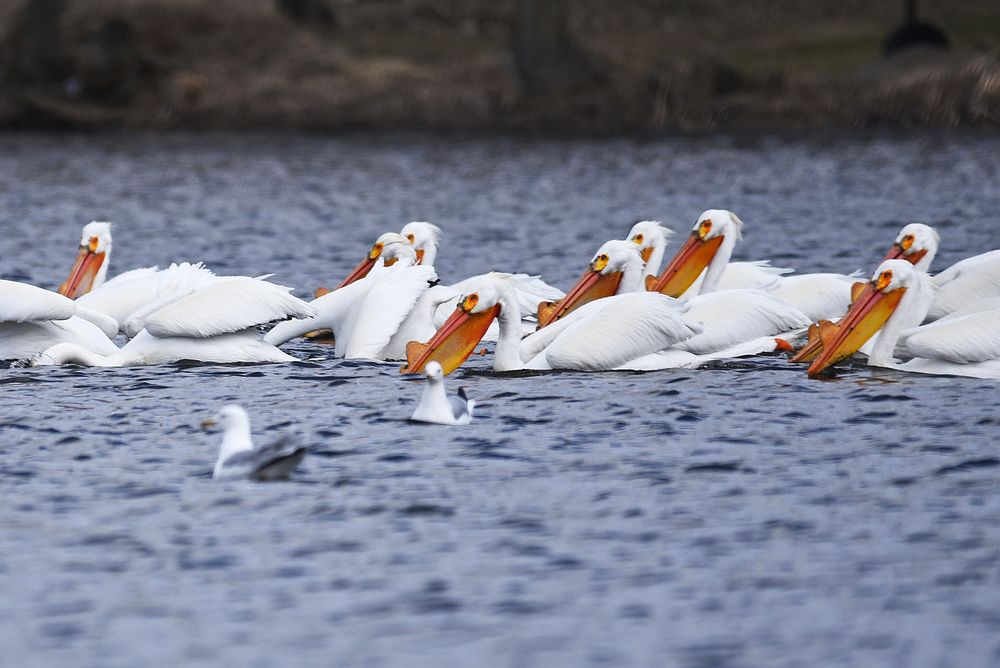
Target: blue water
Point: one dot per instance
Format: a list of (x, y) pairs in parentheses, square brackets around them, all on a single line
[(741, 515)]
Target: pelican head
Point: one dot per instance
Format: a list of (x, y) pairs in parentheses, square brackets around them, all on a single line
[(651, 238), (457, 337), (396, 247), (867, 315), (374, 253), (917, 244), (91, 265), (602, 278), (711, 243), (424, 237)]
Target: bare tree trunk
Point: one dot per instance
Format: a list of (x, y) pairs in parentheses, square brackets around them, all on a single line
[(544, 53), (36, 52), (314, 12)]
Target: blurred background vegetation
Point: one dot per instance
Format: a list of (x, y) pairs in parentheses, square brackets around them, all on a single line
[(523, 65)]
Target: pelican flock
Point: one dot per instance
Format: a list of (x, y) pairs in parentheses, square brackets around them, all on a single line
[(631, 309)]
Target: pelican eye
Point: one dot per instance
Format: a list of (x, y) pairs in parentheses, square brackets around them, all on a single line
[(470, 302), (704, 227), (600, 262), (638, 239), (94, 242), (375, 251), (907, 242), (884, 279), (411, 238)]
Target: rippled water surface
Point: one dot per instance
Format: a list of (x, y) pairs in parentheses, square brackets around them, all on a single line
[(739, 515)]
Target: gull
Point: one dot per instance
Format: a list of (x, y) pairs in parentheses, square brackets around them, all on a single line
[(238, 458), (436, 406)]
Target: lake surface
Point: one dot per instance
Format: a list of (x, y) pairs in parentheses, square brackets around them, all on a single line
[(741, 515)]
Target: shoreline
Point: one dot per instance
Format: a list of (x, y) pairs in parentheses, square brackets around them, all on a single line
[(152, 65)]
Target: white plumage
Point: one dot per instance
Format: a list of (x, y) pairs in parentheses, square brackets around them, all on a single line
[(366, 314), (135, 295), (758, 274), (964, 283), (33, 319), (22, 302), (227, 305), (530, 290), (963, 345), (974, 337), (238, 458), (436, 406), (615, 331), (819, 296), (217, 324), (733, 317)]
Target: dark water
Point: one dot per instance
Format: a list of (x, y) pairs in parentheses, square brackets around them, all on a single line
[(736, 516)]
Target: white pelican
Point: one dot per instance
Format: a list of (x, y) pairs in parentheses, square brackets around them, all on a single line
[(133, 296), (33, 319), (368, 313), (962, 284), (651, 237), (897, 301), (128, 296), (218, 323), (238, 458), (531, 290), (90, 269), (373, 258), (436, 406), (705, 258), (627, 330), (424, 237), (736, 322), (622, 332)]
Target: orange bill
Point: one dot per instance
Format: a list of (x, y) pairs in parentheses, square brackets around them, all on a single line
[(824, 330), (359, 272), (420, 254), (81, 276), (866, 316), (453, 343), (898, 252), (592, 285), (647, 253), (687, 265), (858, 289)]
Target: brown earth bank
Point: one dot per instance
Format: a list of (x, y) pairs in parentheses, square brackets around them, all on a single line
[(586, 66)]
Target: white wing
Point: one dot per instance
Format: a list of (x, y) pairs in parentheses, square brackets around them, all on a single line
[(966, 282), (375, 318), (131, 275), (626, 328), (974, 307), (123, 299), (107, 324), (819, 296), (227, 305), (742, 275), (419, 324), (332, 310), (20, 302), (732, 317), (970, 338)]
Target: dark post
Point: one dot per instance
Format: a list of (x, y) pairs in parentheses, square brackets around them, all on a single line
[(544, 53)]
